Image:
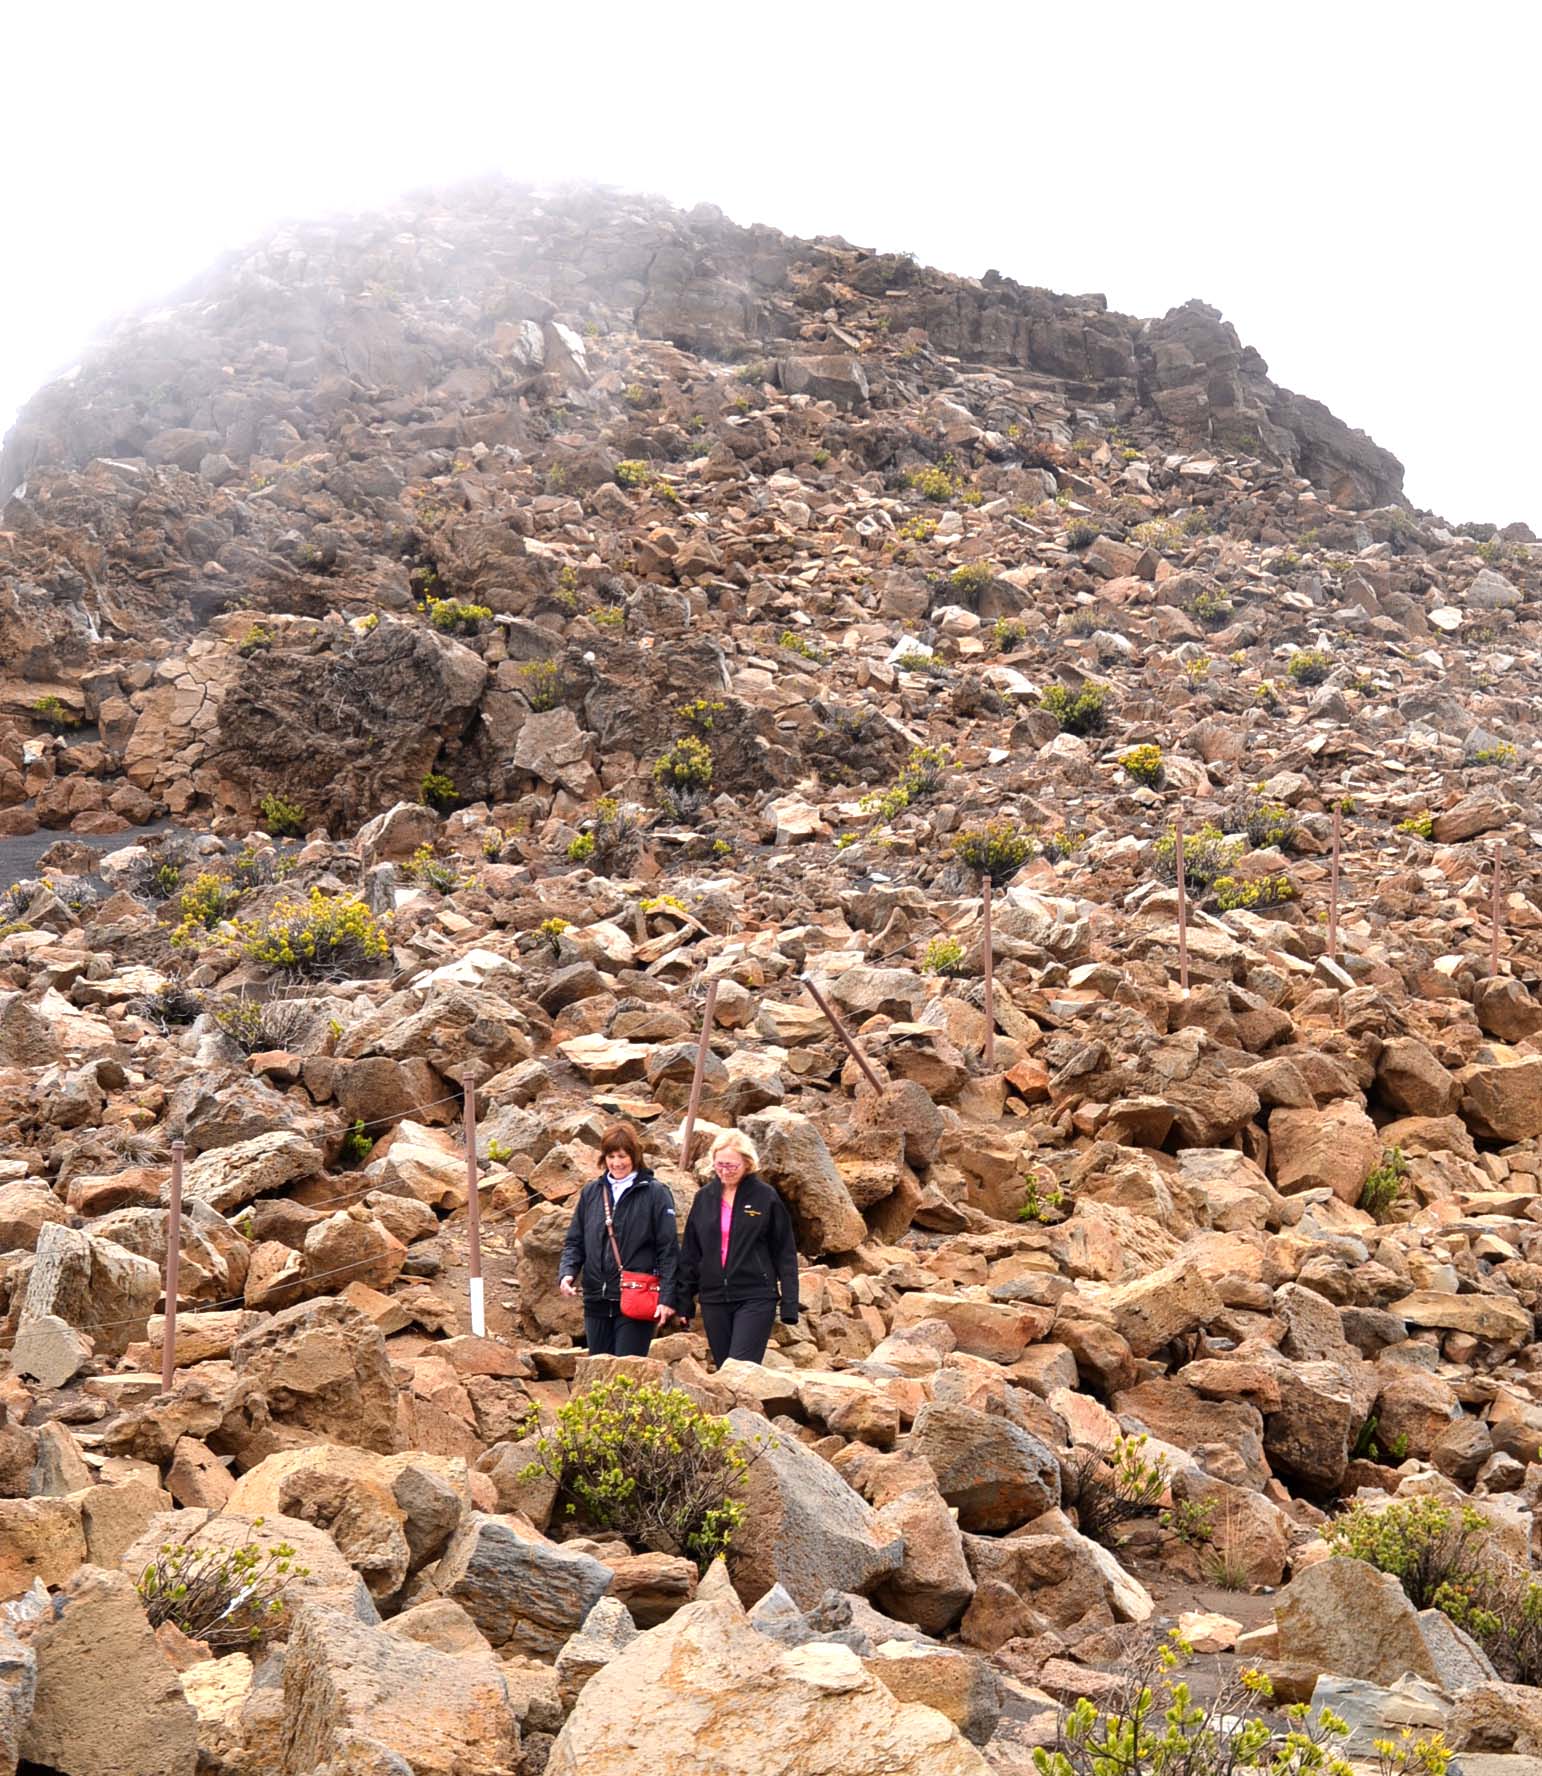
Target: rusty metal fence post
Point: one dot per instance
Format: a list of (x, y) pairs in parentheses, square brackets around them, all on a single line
[(173, 1269), (697, 1076), (474, 1213), (845, 1035)]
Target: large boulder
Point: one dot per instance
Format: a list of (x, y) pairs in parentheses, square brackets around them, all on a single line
[(1345, 1617), (229, 1177), (523, 1591), (705, 1695), (93, 1285), (933, 1584), (1153, 1310), (314, 1373), (348, 1493), (1502, 1100), (1333, 1148), (795, 1160), (108, 1702), (994, 1473), (353, 1692), (805, 1528)]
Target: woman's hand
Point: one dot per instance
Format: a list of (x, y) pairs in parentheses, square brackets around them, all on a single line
[(567, 1287), (662, 1315)]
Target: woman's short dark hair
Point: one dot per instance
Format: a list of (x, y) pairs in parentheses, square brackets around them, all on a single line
[(621, 1137)]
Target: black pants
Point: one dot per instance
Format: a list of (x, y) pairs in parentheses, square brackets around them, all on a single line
[(739, 1329), (609, 1333)]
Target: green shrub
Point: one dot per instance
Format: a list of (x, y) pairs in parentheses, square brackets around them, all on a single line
[(804, 645), (998, 849), (1231, 892), (231, 1598), (1081, 533), (356, 1147), (324, 935), (1207, 855), (1111, 1487), (1418, 826), (1143, 764), (1197, 668), (645, 1462), (437, 791), (552, 929), (632, 472), (919, 530), (429, 871), (1062, 845), (609, 616), (1192, 1521), (635, 395), (581, 848), (455, 617), (1008, 635), (492, 843), (1197, 522), (541, 681), (1045, 1206), (1309, 666), (1366, 1447), (1156, 1727), (207, 902), (972, 579), (931, 483), (1078, 712), (257, 1028), (284, 819), (52, 713), (944, 955), (256, 640), (1157, 533), (1384, 1184), (1428, 1546), (700, 713), (499, 1152), (1269, 825), (683, 773), (1503, 753), (1210, 609)]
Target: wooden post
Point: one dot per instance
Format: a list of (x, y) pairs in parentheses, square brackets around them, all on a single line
[(173, 1270), (1183, 907), (474, 1212), (990, 976), (1333, 886), (1496, 911), (696, 1077), (845, 1035)]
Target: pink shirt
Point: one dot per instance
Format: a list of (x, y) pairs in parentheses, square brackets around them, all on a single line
[(728, 1215)]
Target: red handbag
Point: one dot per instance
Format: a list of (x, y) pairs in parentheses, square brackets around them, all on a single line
[(639, 1289)]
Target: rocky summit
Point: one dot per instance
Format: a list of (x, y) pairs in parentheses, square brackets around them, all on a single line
[(450, 657)]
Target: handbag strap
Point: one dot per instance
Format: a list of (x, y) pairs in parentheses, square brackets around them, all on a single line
[(610, 1226)]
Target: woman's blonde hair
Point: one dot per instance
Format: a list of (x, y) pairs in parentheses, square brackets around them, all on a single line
[(732, 1141)]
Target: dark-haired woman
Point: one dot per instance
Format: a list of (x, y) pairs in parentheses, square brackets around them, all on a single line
[(624, 1212)]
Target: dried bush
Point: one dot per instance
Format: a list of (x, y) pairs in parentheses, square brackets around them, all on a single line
[(1111, 1487), (256, 1028), (229, 1598), (325, 936)]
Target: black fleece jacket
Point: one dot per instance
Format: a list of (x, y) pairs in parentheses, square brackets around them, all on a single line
[(646, 1232), (762, 1252)]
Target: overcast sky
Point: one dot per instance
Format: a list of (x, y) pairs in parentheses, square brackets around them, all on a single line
[(1353, 185)]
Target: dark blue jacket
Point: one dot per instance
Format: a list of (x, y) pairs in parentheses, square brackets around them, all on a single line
[(646, 1232), (762, 1251)]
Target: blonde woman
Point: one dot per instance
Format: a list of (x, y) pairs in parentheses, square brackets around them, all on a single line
[(738, 1256)]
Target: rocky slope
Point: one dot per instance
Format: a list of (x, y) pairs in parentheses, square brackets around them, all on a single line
[(494, 503)]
